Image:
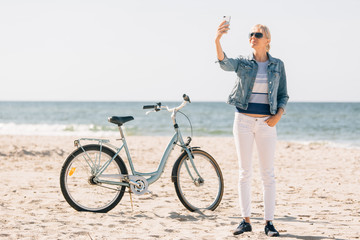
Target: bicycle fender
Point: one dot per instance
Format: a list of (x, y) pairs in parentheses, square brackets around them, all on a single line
[(103, 147), (175, 167), (177, 162)]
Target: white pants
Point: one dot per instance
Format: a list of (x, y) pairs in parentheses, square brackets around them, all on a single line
[(246, 130)]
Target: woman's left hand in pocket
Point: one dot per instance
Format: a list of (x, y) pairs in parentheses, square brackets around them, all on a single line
[(273, 120)]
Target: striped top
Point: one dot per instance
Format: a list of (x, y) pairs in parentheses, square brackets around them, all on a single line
[(259, 101)]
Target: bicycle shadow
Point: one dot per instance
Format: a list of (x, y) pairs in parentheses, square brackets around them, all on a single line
[(195, 216), (199, 217)]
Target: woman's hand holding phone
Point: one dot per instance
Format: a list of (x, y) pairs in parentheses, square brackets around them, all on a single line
[(223, 27)]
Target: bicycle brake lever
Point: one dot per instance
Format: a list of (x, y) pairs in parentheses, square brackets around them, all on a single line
[(149, 112)]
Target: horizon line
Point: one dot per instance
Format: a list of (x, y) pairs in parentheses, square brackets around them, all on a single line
[(202, 101)]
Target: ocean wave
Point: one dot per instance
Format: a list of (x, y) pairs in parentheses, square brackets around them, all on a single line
[(93, 130), (57, 129)]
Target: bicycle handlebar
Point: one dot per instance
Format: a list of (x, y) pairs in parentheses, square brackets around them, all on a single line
[(158, 106), (174, 110)]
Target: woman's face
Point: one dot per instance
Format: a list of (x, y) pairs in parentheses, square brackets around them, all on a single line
[(258, 43)]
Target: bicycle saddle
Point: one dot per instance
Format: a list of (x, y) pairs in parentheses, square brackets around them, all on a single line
[(120, 120)]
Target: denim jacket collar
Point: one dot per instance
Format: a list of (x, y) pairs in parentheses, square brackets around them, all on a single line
[(271, 59)]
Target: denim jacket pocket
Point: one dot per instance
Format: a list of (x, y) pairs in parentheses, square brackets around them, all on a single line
[(275, 75), (274, 79)]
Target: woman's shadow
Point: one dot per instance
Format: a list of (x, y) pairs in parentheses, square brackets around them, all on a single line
[(306, 237)]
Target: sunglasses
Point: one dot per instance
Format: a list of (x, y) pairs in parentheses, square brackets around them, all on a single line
[(256, 34)]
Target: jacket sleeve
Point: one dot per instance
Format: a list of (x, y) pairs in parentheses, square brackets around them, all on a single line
[(229, 64), (282, 97)]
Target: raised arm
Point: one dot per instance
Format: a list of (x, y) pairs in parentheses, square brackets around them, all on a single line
[(222, 29)]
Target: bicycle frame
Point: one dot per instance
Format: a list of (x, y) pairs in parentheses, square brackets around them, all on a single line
[(152, 176)]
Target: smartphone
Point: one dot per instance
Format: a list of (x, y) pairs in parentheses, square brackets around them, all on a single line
[(227, 19)]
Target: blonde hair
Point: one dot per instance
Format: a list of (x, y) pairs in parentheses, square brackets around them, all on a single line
[(266, 31)]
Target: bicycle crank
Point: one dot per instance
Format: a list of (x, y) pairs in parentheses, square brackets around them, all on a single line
[(138, 185)]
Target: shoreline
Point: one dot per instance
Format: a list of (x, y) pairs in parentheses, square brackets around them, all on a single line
[(316, 194)]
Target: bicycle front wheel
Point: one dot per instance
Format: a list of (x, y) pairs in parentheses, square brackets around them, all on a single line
[(81, 188), (199, 185)]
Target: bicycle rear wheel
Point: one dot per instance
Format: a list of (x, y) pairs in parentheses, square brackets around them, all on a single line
[(79, 186), (203, 191)]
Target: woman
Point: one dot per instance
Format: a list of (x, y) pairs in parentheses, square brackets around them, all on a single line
[(260, 96)]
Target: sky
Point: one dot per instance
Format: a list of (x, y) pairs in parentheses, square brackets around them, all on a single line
[(156, 50)]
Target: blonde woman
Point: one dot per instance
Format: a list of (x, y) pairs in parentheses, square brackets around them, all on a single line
[(260, 97)]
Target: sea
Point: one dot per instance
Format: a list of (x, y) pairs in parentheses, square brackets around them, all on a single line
[(306, 122)]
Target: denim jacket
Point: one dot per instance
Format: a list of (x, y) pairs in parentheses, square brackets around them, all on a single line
[(246, 70)]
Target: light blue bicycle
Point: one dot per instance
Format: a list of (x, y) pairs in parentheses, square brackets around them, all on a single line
[(94, 177)]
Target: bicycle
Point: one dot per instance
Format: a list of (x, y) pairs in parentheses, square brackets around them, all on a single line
[(94, 177)]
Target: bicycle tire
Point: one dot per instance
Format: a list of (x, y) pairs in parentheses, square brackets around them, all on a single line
[(195, 196), (75, 180)]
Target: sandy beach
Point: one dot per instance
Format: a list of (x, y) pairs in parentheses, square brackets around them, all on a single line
[(318, 194)]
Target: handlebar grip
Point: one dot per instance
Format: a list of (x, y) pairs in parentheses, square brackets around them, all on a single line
[(186, 98), (149, 107)]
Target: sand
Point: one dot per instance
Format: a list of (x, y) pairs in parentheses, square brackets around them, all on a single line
[(318, 194)]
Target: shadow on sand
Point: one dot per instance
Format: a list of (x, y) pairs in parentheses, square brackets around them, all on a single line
[(201, 216), (307, 237)]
